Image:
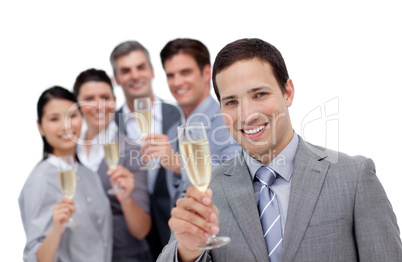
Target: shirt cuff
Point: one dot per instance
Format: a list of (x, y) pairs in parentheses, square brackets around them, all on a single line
[(176, 255)]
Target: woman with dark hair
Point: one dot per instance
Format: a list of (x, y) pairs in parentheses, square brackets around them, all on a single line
[(131, 219), (44, 211)]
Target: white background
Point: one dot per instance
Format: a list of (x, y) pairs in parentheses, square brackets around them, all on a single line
[(345, 54)]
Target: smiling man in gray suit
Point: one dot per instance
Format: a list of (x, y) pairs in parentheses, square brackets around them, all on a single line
[(328, 206)]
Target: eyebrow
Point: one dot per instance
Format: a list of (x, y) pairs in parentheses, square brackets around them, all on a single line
[(143, 64), (53, 114), (124, 68), (252, 90), (228, 97), (256, 89)]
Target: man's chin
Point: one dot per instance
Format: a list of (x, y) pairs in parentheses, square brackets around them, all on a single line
[(261, 149)]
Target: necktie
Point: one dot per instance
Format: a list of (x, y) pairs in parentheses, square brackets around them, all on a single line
[(270, 217)]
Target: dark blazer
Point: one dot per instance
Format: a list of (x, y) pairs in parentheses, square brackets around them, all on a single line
[(160, 199), (170, 115), (338, 211)]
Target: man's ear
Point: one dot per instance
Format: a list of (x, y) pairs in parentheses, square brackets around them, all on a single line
[(206, 72), (289, 92)]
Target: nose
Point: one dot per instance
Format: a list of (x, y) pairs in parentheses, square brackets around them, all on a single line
[(101, 105), (134, 74), (176, 81), (248, 113)]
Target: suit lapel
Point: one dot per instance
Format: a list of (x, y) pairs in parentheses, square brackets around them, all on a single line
[(119, 119), (308, 177), (242, 203), (170, 114)]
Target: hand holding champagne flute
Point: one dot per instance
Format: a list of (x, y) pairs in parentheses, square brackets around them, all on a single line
[(68, 181), (143, 111), (112, 160), (194, 146)]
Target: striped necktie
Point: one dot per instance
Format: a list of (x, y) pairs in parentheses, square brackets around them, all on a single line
[(270, 217)]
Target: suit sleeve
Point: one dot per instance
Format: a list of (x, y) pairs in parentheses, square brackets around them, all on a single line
[(376, 229), (36, 204), (140, 192), (169, 253)]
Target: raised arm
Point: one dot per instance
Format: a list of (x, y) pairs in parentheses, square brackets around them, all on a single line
[(137, 219), (194, 218), (62, 211)]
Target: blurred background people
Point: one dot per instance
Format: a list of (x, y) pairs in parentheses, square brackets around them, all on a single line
[(43, 209), (131, 219), (133, 71), (188, 71)]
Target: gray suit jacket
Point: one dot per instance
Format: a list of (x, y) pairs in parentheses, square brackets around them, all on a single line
[(338, 211), (222, 145)]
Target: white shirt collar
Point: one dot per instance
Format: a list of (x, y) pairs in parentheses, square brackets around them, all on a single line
[(133, 132), (132, 129), (96, 154), (55, 161)]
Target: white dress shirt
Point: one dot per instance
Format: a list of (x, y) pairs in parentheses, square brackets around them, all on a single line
[(134, 132), (96, 153)]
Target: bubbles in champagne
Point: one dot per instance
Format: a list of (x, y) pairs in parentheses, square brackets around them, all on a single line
[(68, 183), (196, 157)]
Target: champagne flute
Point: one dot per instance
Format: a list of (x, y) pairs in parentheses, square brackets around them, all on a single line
[(143, 112), (68, 181), (112, 160), (194, 146)]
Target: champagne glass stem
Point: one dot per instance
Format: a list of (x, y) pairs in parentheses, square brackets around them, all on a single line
[(115, 189), (70, 223)]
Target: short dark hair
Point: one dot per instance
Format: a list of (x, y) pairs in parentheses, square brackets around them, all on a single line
[(91, 75), (192, 47), (55, 92), (124, 49), (247, 49)]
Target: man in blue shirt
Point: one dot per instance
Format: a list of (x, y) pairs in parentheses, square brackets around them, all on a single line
[(188, 70)]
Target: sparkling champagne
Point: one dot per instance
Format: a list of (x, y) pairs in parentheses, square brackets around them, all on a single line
[(197, 162), (144, 123), (111, 154), (68, 182)]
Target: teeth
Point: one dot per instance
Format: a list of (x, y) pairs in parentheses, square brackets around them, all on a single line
[(253, 131), (67, 135), (181, 91), (137, 84)]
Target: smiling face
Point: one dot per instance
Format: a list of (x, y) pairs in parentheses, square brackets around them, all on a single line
[(97, 104), (187, 83), (60, 126), (134, 73), (255, 109)]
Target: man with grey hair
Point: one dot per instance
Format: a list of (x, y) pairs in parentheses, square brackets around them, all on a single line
[(133, 71)]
